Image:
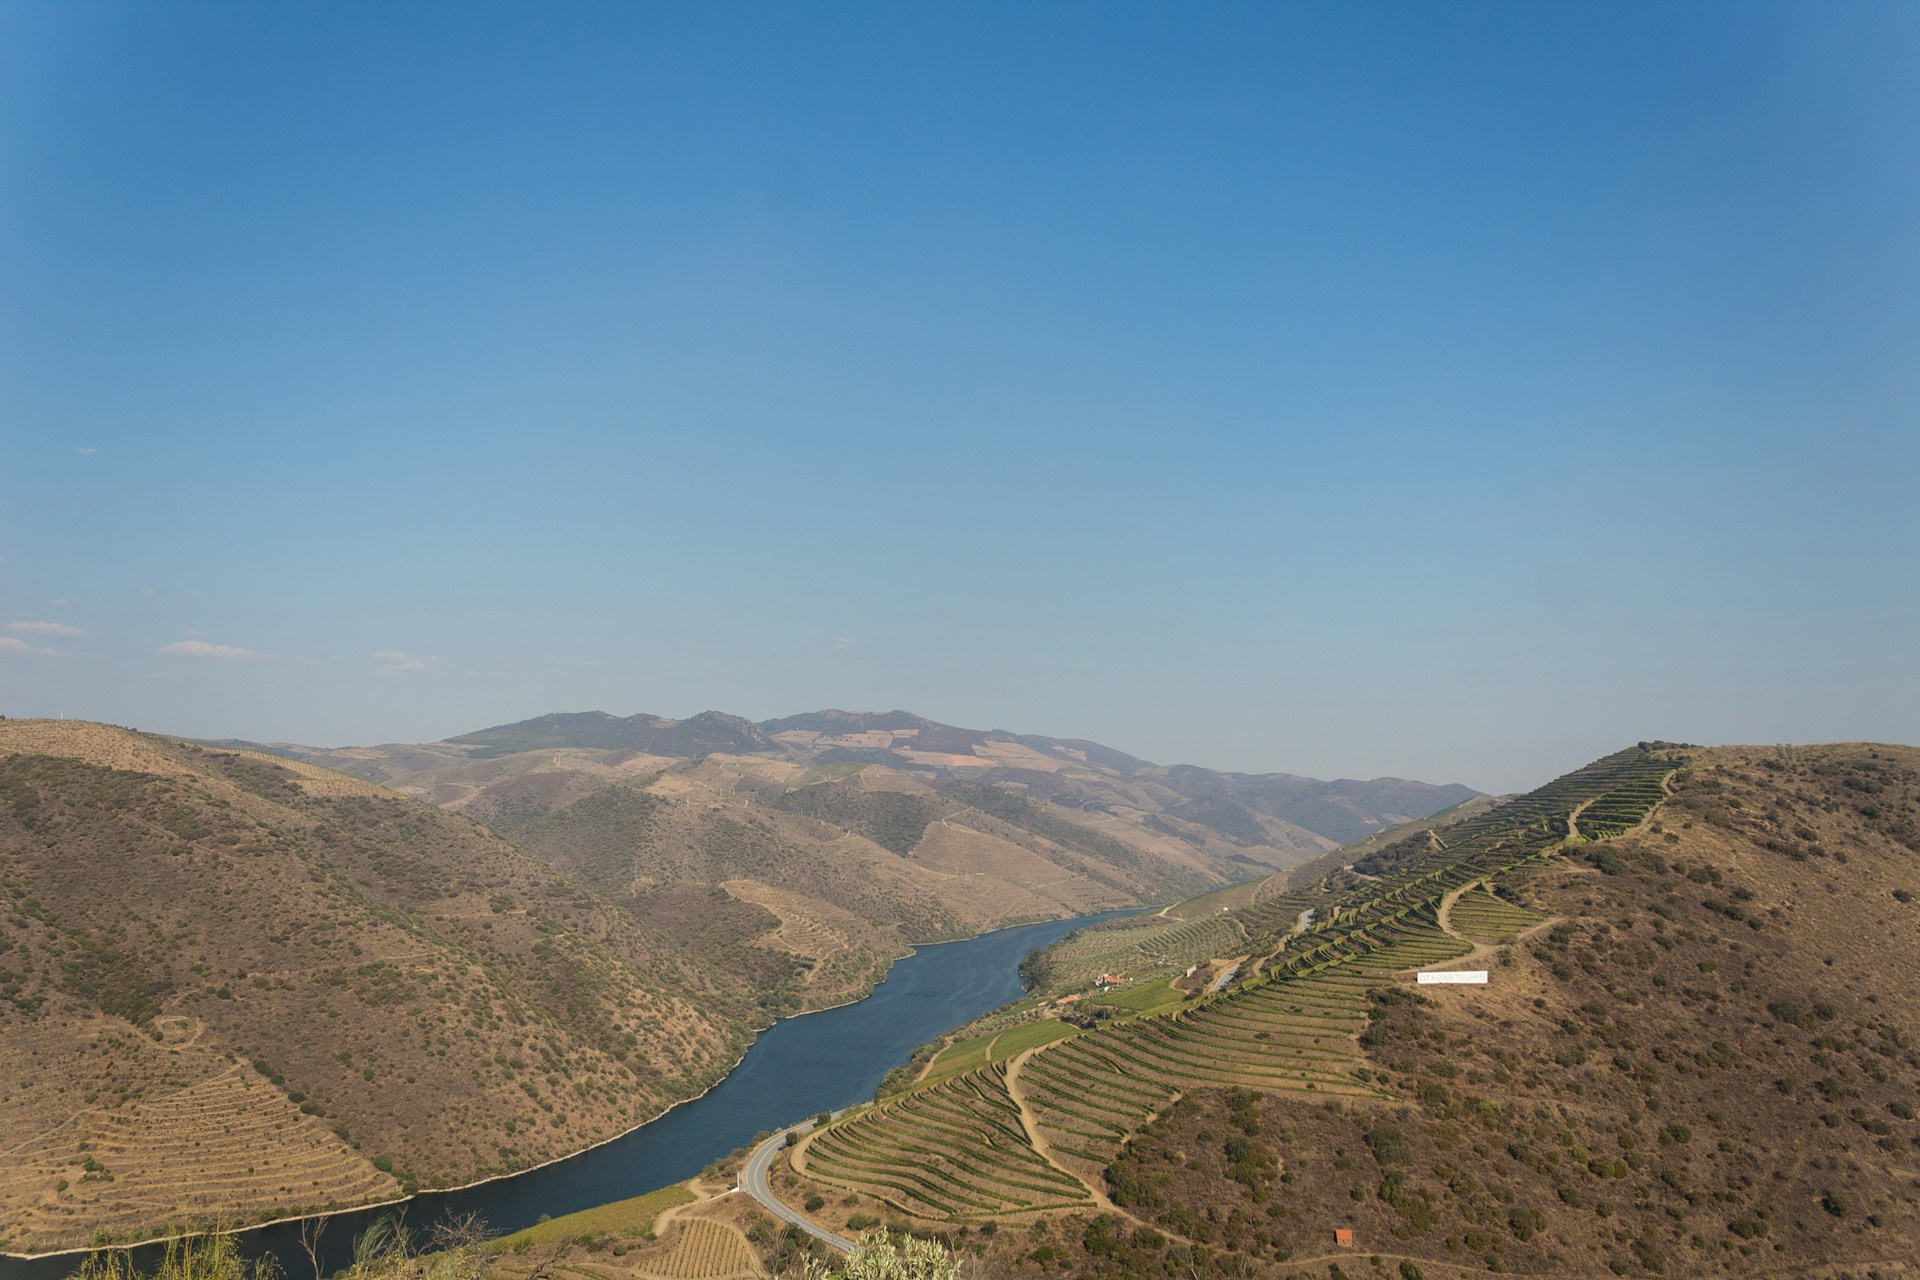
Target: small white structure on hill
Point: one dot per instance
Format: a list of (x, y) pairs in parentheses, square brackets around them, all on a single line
[(1477, 977)]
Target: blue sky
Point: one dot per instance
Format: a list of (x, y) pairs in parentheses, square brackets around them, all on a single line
[(1455, 391)]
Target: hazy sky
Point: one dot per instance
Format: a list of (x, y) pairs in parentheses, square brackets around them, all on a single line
[(1458, 391)]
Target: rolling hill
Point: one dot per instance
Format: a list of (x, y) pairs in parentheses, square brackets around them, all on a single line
[(867, 832), (1694, 1054), (237, 986)]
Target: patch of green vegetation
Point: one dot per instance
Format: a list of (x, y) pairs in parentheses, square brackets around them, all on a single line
[(962, 1055), (1148, 997), (630, 1219), (1017, 1040)]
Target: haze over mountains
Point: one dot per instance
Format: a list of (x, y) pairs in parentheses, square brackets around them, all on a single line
[(1274, 814), (864, 832), (867, 831)]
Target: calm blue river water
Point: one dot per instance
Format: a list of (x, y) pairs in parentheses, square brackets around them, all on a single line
[(817, 1062)]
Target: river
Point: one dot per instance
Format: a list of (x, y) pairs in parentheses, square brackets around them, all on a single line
[(797, 1067)]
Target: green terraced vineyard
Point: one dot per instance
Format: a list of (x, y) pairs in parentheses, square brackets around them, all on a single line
[(1479, 915), (1144, 947), (1622, 808), (1274, 912), (955, 1151), (1019, 1135)]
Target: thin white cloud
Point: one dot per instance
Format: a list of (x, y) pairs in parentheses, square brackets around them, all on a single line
[(844, 643), (145, 592), (392, 662), (61, 603), (47, 629), (12, 648), (86, 450), (201, 649)]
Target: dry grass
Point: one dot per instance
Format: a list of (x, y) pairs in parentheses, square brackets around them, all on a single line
[(173, 914), (105, 745)]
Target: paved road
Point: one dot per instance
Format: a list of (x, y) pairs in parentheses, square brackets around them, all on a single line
[(753, 1181), (1231, 972)]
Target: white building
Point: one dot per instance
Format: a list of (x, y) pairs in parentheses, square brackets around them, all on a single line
[(1477, 977)]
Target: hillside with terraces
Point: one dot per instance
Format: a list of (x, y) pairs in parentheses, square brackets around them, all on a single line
[(1682, 1062), (238, 987)]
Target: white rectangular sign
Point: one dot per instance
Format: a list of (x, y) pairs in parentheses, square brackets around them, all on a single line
[(1454, 975)]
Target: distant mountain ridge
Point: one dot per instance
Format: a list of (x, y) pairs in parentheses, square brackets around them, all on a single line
[(1342, 810), (704, 734), (623, 801)]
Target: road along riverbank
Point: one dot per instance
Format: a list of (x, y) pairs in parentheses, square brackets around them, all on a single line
[(798, 1067)]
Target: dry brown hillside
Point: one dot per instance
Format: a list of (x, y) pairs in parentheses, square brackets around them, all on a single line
[(236, 984), (865, 832), (857, 862), (1697, 1055)]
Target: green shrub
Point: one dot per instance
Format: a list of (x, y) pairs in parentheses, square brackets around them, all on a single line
[(1388, 1144), (1526, 1223)]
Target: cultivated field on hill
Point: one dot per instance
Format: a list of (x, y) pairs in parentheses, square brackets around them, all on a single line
[(1477, 914), (1071, 1105)]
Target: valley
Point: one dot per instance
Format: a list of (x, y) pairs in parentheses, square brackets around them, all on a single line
[(1684, 1060), (864, 832), (239, 984)]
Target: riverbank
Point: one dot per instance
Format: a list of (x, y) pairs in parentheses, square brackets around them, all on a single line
[(795, 1067)]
